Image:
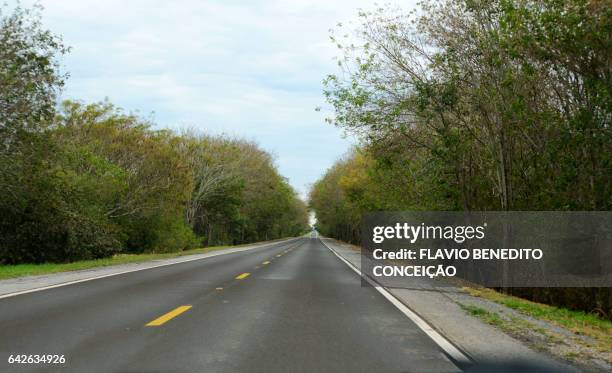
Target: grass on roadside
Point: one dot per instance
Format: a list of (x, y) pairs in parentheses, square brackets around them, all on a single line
[(508, 323), (489, 317), (578, 322), (19, 270)]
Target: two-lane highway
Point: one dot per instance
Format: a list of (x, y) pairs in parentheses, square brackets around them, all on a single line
[(287, 306)]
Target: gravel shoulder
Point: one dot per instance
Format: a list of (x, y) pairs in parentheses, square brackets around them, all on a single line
[(488, 331)]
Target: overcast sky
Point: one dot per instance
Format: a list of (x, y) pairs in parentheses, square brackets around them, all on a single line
[(246, 68)]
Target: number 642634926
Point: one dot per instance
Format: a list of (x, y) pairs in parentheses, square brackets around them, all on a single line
[(36, 359)]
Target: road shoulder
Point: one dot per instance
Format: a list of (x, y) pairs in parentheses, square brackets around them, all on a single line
[(446, 309)]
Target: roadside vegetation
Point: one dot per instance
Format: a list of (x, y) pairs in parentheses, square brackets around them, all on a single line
[(84, 181), (576, 336), (474, 105), (33, 269), (576, 321)]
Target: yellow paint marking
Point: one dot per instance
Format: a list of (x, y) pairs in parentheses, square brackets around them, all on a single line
[(266, 262), (279, 255), (169, 316), (242, 276)]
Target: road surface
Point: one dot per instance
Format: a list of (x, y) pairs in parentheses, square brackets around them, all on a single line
[(291, 306)]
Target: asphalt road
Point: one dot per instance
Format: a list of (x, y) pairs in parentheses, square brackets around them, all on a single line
[(285, 307)]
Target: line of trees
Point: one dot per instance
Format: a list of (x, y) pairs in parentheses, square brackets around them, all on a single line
[(474, 105), (82, 181)]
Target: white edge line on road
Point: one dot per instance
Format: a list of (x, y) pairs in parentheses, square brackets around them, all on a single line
[(212, 254), (448, 347)]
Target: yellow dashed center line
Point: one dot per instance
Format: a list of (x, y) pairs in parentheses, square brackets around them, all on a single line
[(242, 276), (266, 262), (169, 316)]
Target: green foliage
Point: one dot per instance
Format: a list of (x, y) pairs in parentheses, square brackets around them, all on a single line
[(98, 181), (496, 105), (238, 195), (474, 105), (57, 213), (29, 74), (161, 235), (86, 181)]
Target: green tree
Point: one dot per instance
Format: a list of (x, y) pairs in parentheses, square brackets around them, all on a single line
[(474, 105), (30, 79)]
